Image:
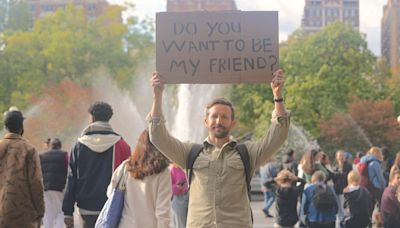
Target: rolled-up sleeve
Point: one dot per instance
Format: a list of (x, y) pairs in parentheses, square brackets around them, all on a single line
[(172, 148), (263, 149)]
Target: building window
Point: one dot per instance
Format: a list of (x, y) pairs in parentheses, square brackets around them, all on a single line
[(47, 8), (91, 7)]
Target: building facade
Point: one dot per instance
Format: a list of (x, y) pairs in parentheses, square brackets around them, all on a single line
[(41, 8), (319, 13), (198, 5), (390, 34)]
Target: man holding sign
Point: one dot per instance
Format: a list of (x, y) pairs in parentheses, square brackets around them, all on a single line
[(218, 192)]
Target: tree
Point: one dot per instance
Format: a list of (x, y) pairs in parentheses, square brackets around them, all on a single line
[(324, 70), (366, 123), (58, 112), (67, 45)]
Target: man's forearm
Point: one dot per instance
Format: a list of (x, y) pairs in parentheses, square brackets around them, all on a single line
[(279, 106), (156, 110), (280, 109)]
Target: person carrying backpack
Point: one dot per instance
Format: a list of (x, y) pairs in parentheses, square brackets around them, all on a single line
[(319, 203), (218, 190), (371, 175)]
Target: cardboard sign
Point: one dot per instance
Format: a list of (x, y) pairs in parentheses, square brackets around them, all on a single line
[(217, 47)]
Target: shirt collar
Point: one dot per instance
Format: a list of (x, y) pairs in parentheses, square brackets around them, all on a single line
[(232, 142)]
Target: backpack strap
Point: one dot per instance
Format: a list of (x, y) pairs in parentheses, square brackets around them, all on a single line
[(193, 154), (244, 156)]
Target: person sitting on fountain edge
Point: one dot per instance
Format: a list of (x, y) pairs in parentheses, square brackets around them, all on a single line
[(218, 194)]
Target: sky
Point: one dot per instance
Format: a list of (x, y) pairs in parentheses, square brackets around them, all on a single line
[(290, 14)]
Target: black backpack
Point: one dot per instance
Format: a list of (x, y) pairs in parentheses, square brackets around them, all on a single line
[(240, 148), (324, 198)]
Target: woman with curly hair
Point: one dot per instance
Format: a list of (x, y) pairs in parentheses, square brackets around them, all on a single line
[(148, 187)]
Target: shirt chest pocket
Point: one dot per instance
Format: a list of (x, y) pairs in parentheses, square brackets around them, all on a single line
[(235, 172), (201, 172)]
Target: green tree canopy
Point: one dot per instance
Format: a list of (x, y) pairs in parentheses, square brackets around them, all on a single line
[(67, 45), (324, 71)]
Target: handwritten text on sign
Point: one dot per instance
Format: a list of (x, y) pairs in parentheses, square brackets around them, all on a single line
[(217, 47)]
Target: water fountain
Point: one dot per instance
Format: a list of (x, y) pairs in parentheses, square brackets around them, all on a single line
[(189, 117)]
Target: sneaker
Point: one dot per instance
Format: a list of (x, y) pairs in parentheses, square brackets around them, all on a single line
[(267, 214)]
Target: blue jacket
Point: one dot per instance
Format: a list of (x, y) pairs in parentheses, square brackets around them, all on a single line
[(308, 210), (268, 172), (374, 171)]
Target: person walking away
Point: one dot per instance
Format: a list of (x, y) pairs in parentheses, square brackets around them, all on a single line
[(371, 175), (21, 186), (357, 202), (180, 197), (54, 168), (218, 192), (319, 203), (94, 157), (148, 187), (267, 173)]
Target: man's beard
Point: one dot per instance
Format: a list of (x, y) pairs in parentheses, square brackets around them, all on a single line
[(222, 134)]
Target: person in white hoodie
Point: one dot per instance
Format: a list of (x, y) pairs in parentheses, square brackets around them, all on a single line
[(96, 154), (147, 187)]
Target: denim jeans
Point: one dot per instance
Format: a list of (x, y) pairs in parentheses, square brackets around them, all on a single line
[(269, 199)]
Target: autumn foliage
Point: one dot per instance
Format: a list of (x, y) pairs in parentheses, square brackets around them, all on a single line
[(61, 112), (365, 123)]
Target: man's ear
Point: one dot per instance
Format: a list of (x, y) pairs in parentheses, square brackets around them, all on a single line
[(233, 123), (205, 121)]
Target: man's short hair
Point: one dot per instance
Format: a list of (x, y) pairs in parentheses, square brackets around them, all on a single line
[(221, 101), (13, 121), (101, 111), (55, 143), (318, 176)]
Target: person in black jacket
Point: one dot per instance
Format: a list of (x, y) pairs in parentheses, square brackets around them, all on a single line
[(289, 162), (54, 165), (287, 195), (357, 202), (93, 159)]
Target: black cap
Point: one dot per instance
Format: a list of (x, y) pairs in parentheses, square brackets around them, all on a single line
[(13, 119)]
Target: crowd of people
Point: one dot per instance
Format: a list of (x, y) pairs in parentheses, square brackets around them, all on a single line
[(346, 193), (203, 185)]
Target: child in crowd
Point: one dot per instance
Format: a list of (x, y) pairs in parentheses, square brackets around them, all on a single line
[(287, 194), (356, 203)]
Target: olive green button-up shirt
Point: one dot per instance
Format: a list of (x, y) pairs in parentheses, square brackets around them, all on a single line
[(218, 192)]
